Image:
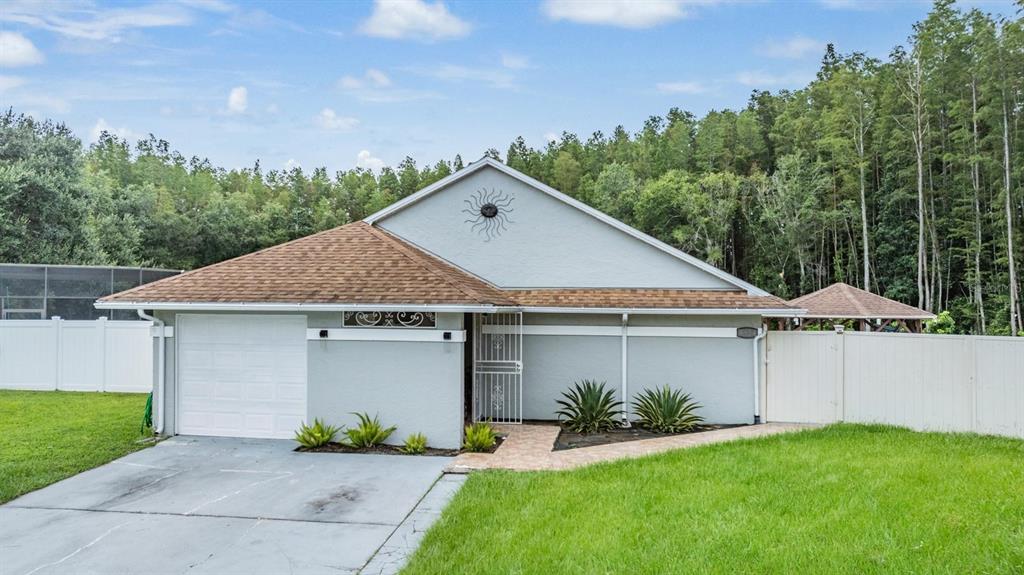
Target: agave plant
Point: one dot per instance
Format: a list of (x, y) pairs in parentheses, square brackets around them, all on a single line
[(315, 435), (588, 407), (666, 410), (369, 432)]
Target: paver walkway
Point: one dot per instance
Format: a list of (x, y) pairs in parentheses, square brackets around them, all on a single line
[(528, 447)]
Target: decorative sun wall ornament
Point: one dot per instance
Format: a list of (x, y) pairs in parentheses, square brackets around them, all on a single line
[(488, 211)]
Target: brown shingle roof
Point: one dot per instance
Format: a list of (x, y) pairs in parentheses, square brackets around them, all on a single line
[(840, 300), (355, 263), (645, 298), (361, 264)]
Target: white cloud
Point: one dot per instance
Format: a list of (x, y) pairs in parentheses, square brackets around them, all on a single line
[(852, 4), (680, 87), (238, 100), (291, 164), (17, 50), (552, 138), (10, 82), (102, 126), (378, 78), (372, 77), (794, 48), (414, 19), (761, 79), (514, 61), (456, 73), (366, 160), (328, 119), (376, 86), (86, 22), (620, 13)]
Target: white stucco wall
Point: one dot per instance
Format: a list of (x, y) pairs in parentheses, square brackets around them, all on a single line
[(718, 372), (548, 243)]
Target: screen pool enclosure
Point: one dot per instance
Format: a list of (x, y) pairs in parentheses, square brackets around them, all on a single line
[(43, 291)]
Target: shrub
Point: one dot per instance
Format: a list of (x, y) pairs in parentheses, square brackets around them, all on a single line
[(666, 410), (480, 436), (369, 432), (415, 444), (588, 407), (315, 435)]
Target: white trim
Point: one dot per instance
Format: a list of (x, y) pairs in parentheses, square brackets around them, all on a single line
[(625, 369), (308, 307), (725, 332), (305, 307), (600, 330), (479, 164), (771, 312), (385, 334), (155, 330), (617, 331), (841, 316)]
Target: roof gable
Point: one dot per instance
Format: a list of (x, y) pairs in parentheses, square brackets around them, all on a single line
[(635, 258), (841, 300)]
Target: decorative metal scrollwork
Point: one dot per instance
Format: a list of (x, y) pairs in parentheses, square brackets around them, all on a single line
[(488, 211), (389, 319)]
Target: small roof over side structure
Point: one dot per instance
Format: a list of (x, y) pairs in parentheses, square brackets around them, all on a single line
[(841, 301)]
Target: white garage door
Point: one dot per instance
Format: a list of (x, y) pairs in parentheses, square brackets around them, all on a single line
[(241, 375)]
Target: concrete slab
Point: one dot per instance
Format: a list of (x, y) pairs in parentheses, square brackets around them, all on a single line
[(215, 505)]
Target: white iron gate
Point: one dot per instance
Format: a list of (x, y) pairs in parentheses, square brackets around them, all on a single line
[(498, 367)]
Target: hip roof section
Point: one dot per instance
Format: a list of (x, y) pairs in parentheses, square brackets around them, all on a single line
[(841, 300)]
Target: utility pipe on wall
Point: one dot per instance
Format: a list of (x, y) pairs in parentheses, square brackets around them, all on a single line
[(625, 370), (160, 388), (761, 333)]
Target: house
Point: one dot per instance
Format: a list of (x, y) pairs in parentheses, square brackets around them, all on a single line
[(482, 296), (840, 302)]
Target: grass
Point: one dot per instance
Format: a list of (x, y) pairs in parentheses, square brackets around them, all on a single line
[(46, 436), (843, 499)]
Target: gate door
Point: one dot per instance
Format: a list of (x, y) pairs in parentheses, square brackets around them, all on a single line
[(498, 367)]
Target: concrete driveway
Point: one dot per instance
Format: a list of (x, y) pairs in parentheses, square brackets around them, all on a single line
[(217, 505)]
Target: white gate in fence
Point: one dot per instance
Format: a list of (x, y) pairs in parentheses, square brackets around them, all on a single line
[(926, 382), (73, 355)]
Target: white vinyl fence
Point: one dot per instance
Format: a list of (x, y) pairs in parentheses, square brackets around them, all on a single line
[(925, 382), (73, 355)]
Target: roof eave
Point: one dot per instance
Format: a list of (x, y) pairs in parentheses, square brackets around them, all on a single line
[(285, 306), (766, 312), (876, 316)]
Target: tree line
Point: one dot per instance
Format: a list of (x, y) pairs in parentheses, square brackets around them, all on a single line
[(901, 176)]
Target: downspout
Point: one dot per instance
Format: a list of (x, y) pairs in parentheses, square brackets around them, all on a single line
[(625, 371), (761, 333), (160, 387)]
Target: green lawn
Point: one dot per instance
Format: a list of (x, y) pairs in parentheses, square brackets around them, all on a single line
[(843, 499), (46, 436)]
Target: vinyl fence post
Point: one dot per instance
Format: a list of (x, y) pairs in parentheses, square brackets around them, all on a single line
[(101, 337), (58, 374), (972, 350), (840, 348)]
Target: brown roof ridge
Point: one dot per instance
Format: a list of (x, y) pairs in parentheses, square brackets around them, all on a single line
[(223, 262), (416, 255)]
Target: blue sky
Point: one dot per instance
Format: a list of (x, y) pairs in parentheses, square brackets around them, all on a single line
[(367, 83)]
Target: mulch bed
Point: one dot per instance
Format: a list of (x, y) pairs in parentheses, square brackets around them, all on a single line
[(390, 449), (572, 440)]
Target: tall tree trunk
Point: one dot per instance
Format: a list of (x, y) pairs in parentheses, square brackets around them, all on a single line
[(979, 301), (1014, 312), (863, 203)]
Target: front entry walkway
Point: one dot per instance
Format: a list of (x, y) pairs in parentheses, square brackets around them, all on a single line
[(528, 447)]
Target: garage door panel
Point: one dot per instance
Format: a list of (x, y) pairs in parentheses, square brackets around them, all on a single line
[(241, 375)]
